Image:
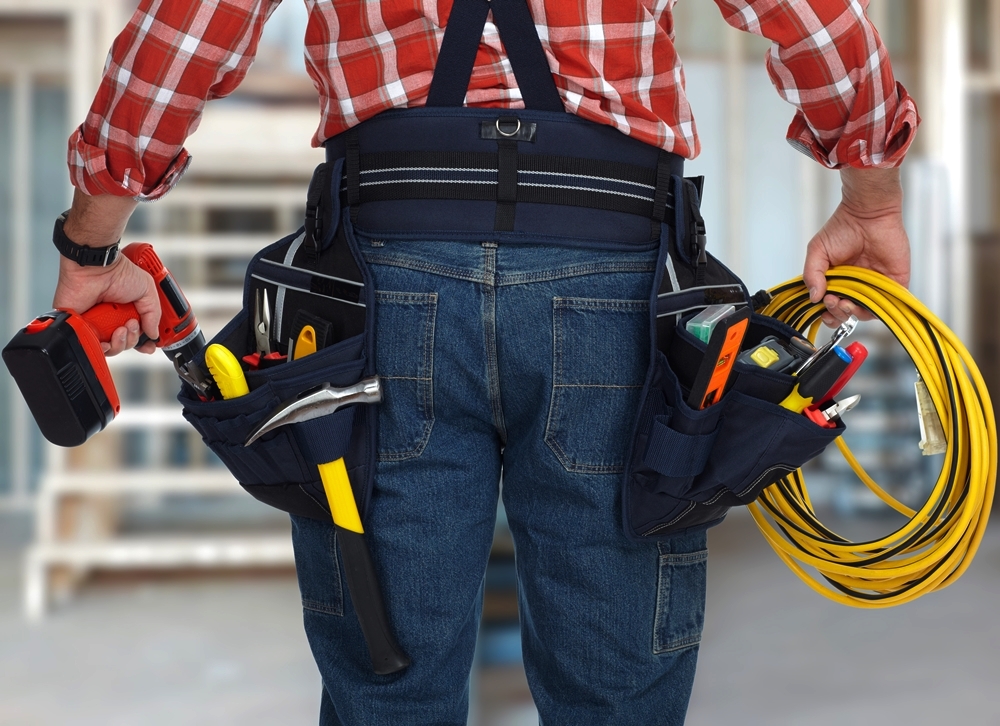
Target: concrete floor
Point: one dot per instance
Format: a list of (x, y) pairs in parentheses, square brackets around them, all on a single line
[(777, 654), (231, 650)]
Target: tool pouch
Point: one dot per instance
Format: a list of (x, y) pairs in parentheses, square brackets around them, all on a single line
[(318, 270), (688, 467)]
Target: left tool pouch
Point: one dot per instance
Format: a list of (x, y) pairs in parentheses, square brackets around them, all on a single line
[(687, 467), (316, 275)]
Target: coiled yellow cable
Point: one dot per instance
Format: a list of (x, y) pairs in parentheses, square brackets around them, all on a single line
[(938, 543)]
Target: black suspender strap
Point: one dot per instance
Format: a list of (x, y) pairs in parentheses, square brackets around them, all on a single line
[(453, 70), (527, 58), (462, 35), (507, 176), (457, 58)]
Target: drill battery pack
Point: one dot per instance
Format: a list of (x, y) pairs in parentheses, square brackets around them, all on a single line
[(58, 365)]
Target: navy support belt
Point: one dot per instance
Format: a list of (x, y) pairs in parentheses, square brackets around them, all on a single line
[(540, 178), (563, 176)]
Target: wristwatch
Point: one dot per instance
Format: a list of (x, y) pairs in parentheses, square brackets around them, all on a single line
[(80, 254)]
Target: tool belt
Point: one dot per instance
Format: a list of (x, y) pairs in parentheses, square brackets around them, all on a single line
[(513, 176)]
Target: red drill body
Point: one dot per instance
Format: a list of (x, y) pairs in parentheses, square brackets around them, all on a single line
[(60, 368)]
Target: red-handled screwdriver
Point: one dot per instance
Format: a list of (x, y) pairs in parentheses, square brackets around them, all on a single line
[(858, 353)]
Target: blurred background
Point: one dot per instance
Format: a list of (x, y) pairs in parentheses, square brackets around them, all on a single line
[(138, 584)]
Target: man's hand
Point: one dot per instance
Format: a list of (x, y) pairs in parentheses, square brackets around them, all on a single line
[(80, 288), (866, 230), (97, 222)]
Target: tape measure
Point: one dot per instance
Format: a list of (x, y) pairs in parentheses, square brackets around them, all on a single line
[(938, 543)]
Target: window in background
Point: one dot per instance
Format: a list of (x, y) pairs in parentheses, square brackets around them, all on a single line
[(33, 131), (7, 328)]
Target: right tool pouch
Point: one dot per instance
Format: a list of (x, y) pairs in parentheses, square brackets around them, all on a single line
[(317, 275), (687, 467)]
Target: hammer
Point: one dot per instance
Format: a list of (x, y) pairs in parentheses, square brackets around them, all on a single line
[(386, 655)]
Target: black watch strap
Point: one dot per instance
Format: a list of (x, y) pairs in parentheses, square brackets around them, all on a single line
[(81, 255)]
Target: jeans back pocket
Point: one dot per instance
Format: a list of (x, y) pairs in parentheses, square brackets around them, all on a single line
[(592, 378), (404, 354)]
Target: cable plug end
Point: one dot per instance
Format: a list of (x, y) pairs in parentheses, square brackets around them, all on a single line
[(932, 440)]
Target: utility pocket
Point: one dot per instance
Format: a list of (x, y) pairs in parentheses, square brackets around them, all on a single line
[(314, 277), (317, 566), (687, 467), (277, 468), (690, 466), (680, 593)]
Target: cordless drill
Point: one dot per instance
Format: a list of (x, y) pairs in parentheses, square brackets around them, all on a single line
[(58, 363)]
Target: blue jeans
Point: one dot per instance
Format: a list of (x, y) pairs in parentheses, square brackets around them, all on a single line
[(526, 361)]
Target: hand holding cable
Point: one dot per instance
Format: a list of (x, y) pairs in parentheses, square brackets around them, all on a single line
[(865, 230), (937, 544)]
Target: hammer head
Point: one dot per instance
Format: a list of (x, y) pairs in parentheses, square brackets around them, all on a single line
[(317, 402)]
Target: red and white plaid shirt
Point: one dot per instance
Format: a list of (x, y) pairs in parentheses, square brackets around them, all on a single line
[(613, 62)]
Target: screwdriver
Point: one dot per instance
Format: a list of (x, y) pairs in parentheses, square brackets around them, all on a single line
[(836, 339), (859, 354), (822, 375), (226, 371)]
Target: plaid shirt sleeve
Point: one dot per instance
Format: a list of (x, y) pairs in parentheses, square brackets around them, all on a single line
[(172, 57), (829, 62)]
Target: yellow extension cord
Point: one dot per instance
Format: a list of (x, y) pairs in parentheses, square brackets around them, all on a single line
[(938, 543)]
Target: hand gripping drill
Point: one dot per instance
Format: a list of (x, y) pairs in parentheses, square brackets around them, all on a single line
[(58, 363)]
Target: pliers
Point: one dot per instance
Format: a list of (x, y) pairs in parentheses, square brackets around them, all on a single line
[(262, 323), (264, 357)]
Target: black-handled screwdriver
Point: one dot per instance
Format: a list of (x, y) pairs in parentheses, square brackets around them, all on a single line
[(818, 380)]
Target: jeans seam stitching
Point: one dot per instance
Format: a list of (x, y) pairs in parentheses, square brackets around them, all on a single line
[(428, 385), (681, 644), (581, 270), (684, 558), (591, 385), (489, 338), (582, 303), (402, 262), (318, 607)]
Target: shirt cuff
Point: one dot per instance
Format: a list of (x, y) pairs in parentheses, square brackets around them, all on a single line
[(89, 172), (856, 150)]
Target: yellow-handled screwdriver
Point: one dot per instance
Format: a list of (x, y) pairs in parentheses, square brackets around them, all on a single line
[(814, 385), (226, 371)]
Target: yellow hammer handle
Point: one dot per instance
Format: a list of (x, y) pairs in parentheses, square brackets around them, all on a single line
[(340, 496)]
